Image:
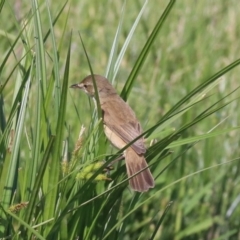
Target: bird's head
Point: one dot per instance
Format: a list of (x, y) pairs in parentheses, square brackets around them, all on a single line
[(103, 86)]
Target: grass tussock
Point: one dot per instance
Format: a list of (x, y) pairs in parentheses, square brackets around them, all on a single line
[(176, 63)]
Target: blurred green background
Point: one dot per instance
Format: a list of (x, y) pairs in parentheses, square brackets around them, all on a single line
[(198, 39)]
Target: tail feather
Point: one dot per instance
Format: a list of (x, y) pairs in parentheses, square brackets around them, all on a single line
[(135, 163)]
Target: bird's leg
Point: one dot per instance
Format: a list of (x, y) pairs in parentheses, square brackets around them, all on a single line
[(117, 159), (110, 167)]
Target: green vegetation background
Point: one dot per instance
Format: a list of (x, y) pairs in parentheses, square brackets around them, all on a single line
[(186, 90)]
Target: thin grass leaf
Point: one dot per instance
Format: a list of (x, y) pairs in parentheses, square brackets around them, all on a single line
[(30, 228), (55, 59), (202, 86), (113, 52), (52, 195), (2, 4), (39, 126), (127, 41), (9, 186), (52, 23), (160, 221), (200, 137), (102, 146), (161, 190), (7, 193), (146, 49), (94, 82), (33, 200), (198, 226), (227, 235), (94, 222), (196, 99), (165, 142)]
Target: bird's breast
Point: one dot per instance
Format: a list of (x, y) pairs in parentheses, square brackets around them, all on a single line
[(115, 140)]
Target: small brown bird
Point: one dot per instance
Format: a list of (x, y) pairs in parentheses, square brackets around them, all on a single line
[(121, 127)]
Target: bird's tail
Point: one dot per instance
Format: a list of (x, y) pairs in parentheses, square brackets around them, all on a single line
[(135, 163)]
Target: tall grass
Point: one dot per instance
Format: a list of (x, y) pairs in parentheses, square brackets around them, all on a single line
[(177, 65)]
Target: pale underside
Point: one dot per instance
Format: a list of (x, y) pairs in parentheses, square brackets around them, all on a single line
[(122, 127)]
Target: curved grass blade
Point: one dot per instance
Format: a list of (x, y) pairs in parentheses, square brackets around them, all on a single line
[(41, 78), (2, 4), (102, 146), (161, 190), (161, 220), (52, 195), (142, 57), (30, 228), (201, 137), (111, 60), (127, 41), (33, 200), (202, 86), (11, 176)]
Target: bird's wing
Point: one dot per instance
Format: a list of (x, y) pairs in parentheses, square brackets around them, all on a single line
[(128, 128)]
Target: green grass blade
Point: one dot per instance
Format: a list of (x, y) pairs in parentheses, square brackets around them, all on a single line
[(109, 70), (2, 4), (51, 198), (33, 200), (146, 49), (30, 228), (39, 126), (199, 88), (127, 41), (160, 220), (9, 186)]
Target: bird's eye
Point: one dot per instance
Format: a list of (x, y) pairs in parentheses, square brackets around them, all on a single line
[(85, 86)]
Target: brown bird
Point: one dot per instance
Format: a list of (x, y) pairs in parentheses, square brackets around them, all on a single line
[(121, 127)]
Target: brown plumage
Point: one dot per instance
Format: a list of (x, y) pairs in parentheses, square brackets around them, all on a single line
[(121, 127)]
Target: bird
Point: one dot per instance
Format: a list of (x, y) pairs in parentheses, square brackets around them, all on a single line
[(121, 127)]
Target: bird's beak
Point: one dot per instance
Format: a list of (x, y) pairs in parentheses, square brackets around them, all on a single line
[(76, 85)]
